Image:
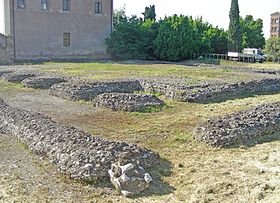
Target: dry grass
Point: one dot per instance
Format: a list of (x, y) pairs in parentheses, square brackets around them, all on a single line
[(268, 65), (101, 71), (198, 173)]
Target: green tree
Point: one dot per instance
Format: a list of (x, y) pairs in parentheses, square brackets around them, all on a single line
[(201, 40), (234, 32), (175, 40), (132, 39), (218, 40), (119, 17), (272, 47), (252, 32), (150, 13)]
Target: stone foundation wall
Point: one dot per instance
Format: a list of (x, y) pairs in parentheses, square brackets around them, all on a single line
[(240, 127), (127, 102), (16, 77), (6, 50), (42, 82), (206, 91), (74, 152), (78, 90)]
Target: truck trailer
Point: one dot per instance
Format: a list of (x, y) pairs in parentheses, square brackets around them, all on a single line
[(248, 55)]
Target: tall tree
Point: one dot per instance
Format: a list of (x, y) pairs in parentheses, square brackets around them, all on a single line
[(119, 17), (218, 40), (150, 13), (176, 39), (252, 31), (234, 32)]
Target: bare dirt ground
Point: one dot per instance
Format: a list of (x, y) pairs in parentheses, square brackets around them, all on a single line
[(193, 172)]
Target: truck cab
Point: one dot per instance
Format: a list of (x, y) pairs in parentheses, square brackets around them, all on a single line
[(256, 53)]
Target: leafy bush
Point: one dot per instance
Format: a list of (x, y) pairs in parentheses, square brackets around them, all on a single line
[(177, 38), (132, 39), (272, 47)]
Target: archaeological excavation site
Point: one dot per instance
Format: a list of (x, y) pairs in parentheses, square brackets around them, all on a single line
[(139, 132)]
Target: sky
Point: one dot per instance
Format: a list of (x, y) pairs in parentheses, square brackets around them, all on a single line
[(215, 12)]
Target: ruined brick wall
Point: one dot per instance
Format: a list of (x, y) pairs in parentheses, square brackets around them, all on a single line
[(6, 50)]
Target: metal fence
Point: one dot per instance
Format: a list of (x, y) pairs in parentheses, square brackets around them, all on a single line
[(211, 56)]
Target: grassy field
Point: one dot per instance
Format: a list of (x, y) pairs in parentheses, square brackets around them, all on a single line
[(192, 171), (101, 71), (266, 65)]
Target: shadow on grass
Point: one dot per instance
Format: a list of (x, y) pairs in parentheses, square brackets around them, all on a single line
[(125, 62), (56, 60), (259, 140), (209, 61), (158, 187), (221, 99)]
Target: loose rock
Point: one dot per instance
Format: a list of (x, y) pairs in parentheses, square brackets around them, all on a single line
[(130, 179)]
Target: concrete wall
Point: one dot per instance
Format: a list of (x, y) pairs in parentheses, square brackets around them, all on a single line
[(6, 50), (39, 34)]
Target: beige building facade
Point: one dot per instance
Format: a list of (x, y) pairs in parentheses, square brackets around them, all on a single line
[(275, 25), (57, 28)]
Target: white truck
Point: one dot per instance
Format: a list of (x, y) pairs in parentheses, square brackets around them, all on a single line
[(247, 55)]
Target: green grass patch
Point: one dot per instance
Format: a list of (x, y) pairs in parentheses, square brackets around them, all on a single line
[(7, 86)]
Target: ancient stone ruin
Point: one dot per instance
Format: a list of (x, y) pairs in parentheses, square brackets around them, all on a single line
[(241, 127), (127, 102), (42, 82), (74, 152), (207, 91), (172, 88), (16, 77), (79, 90)]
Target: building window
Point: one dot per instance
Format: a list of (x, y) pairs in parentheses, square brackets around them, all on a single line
[(98, 7), (66, 5), (20, 4), (66, 39), (44, 5)]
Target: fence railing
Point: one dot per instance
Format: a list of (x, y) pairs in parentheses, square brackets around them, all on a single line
[(210, 56), (225, 57)]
